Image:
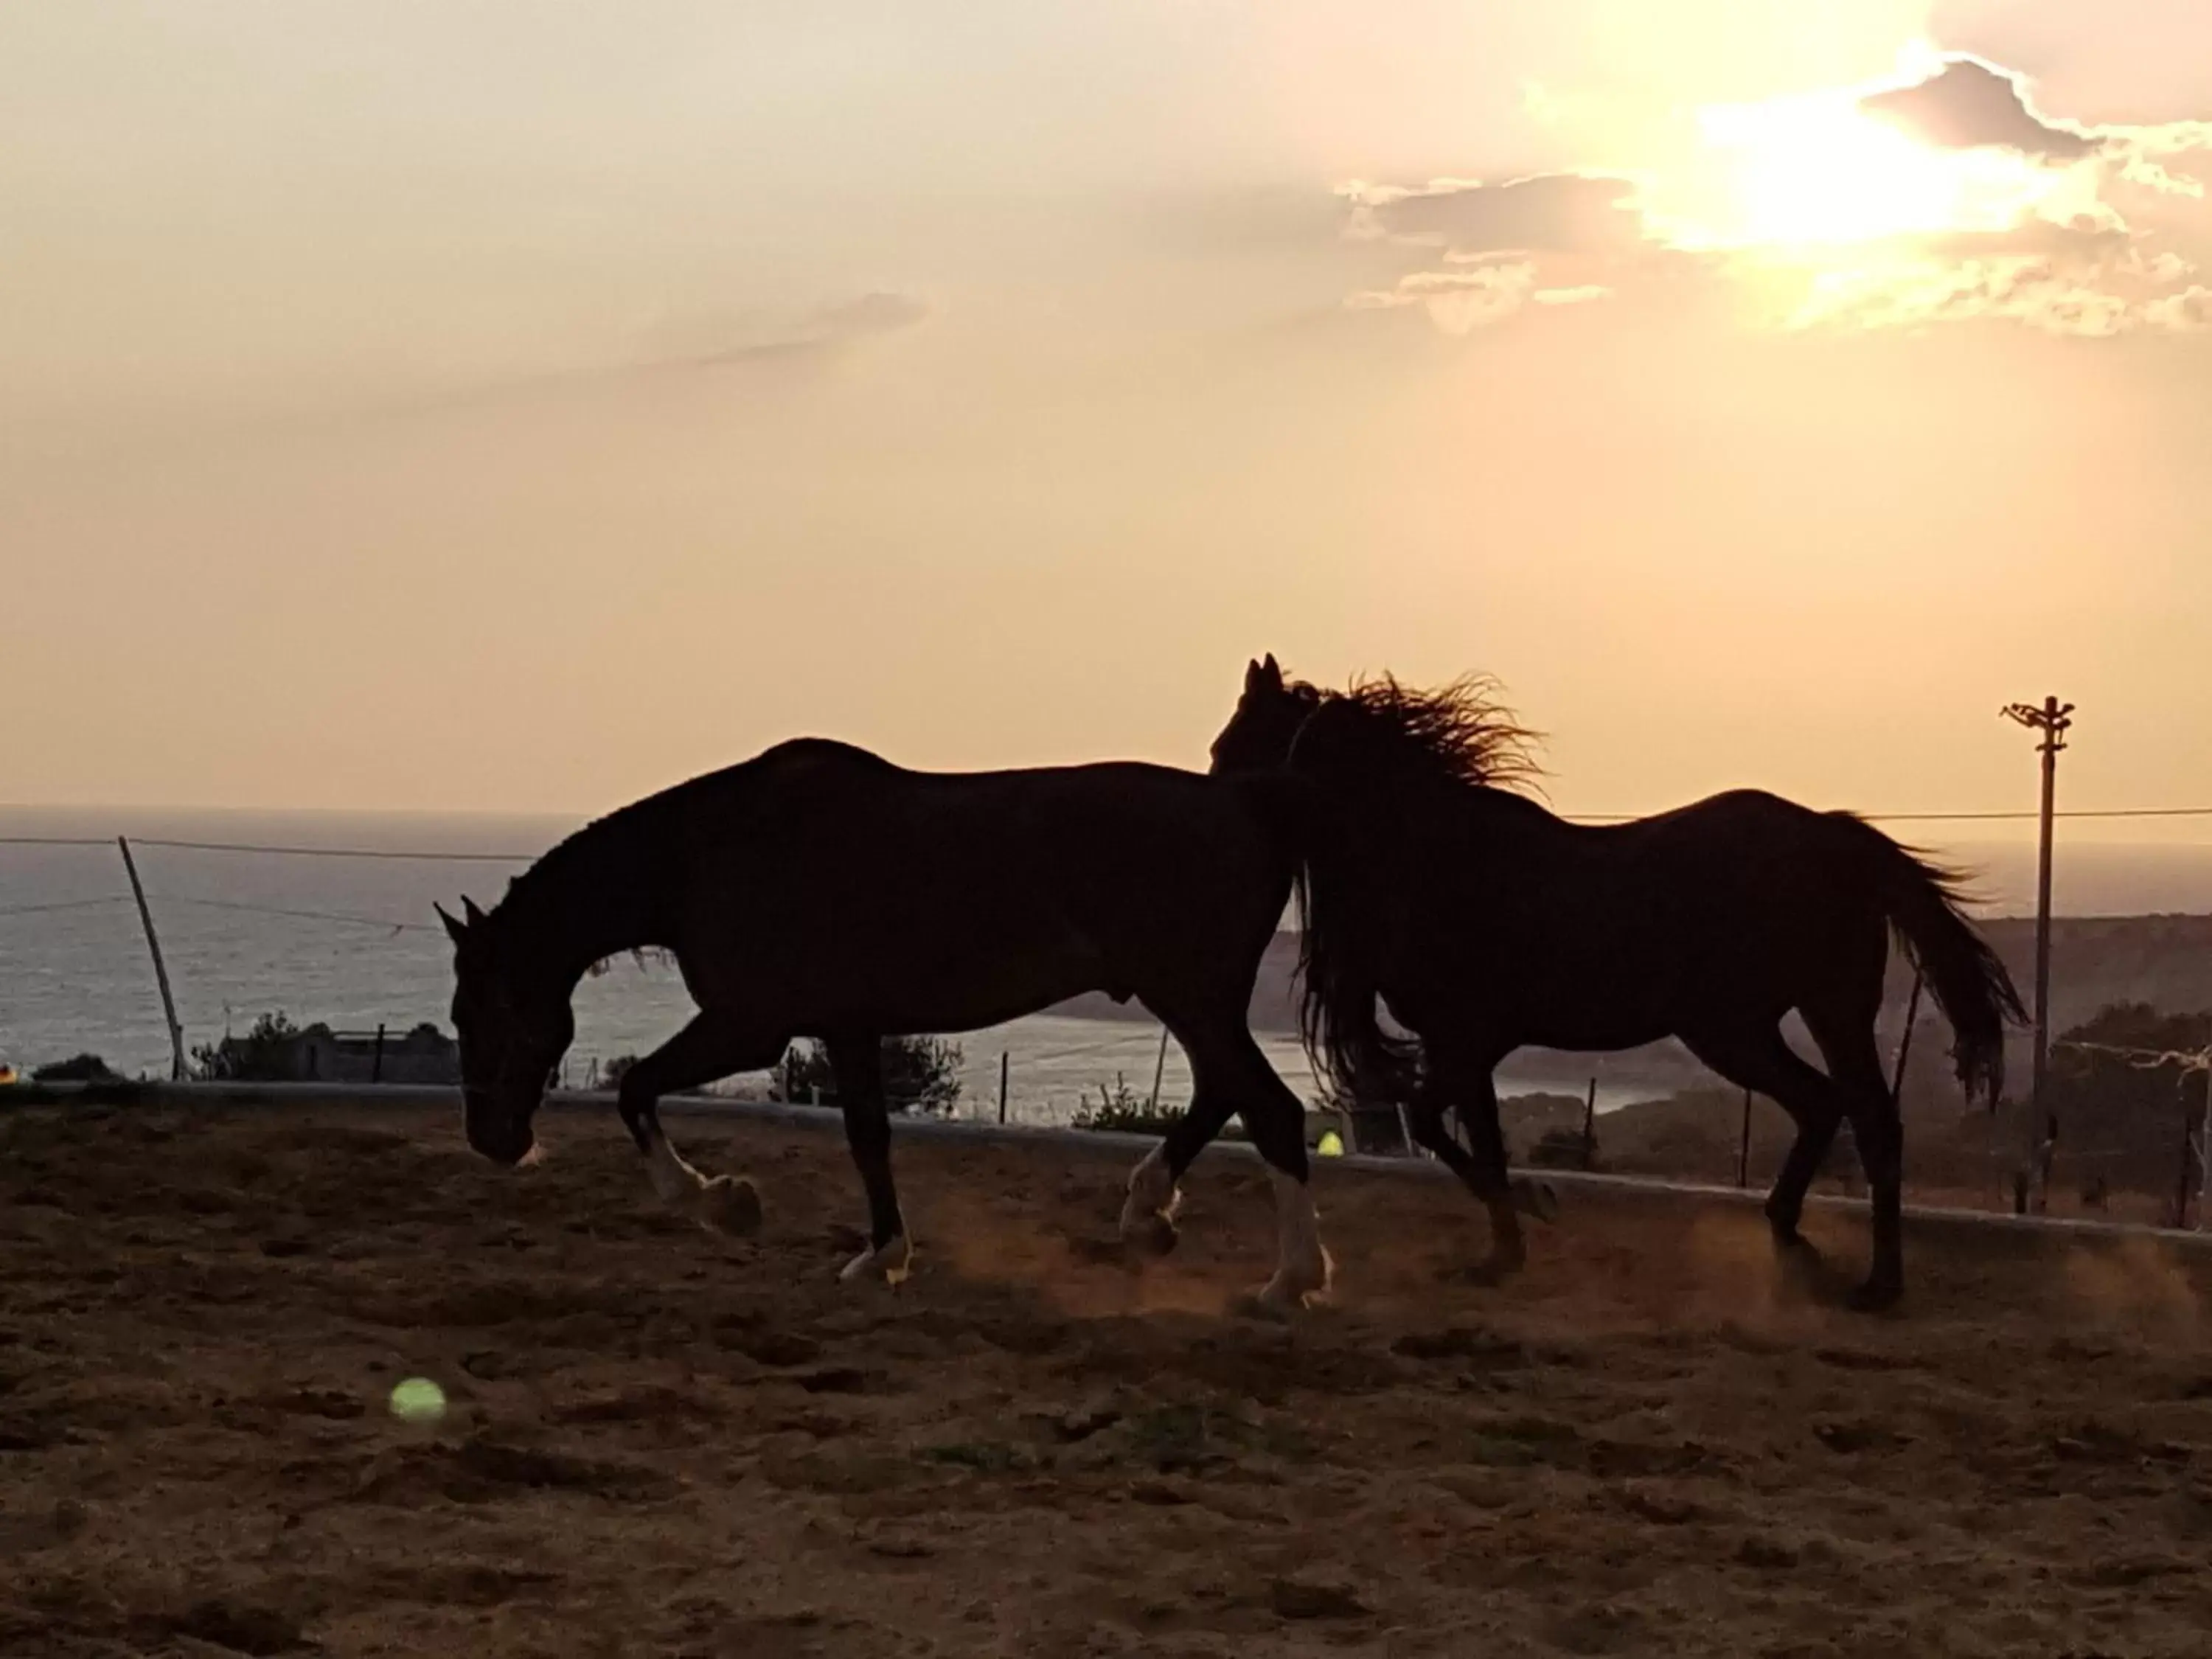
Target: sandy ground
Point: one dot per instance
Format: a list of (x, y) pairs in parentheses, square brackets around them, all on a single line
[(664, 1442)]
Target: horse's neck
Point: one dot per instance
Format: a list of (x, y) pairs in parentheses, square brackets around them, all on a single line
[(597, 895)]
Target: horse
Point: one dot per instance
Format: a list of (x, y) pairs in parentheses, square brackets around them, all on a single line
[(817, 889), (1432, 880)]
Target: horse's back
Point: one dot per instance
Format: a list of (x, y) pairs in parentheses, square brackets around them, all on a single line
[(825, 857)]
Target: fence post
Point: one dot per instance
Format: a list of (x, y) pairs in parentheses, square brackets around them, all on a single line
[(2190, 1154), (1589, 1125), (376, 1060), (1160, 1069), (1002, 1085), (2203, 1147), (161, 970), (1905, 1043)]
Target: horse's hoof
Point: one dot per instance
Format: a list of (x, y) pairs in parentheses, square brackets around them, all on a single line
[(1151, 1235), (1797, 1252), (1537, 1199), (1875, 1295), (894, 1260), (730, 1205), (1264, 1304)]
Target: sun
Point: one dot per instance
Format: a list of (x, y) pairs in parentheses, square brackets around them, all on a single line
[(1815, 172)]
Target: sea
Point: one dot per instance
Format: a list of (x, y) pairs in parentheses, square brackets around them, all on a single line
[(322, 935)]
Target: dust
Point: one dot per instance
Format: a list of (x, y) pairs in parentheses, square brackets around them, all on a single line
[(1080, 1272), (1728, 1273), (2136, 1284)]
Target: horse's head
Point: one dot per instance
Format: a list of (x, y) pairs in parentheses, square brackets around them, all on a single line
[(1267, 718), (512, 1027)]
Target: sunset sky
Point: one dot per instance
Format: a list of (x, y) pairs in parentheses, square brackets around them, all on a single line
[(522, 405)]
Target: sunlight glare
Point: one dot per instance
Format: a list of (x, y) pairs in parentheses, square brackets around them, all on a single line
[(1814, 171)]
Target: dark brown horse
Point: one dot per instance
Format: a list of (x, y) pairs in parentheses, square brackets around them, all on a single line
[(1483, 923), (819, 891)]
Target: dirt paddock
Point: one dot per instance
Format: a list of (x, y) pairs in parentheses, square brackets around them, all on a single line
[(663, 1443)]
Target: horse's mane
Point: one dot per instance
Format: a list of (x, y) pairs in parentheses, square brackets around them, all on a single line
[(1461, 730)]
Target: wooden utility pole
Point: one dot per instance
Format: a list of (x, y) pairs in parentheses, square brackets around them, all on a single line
[(161, 970), (1905, 1043), (2052, 720)]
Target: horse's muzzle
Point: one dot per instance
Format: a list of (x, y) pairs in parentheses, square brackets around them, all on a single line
[(501, 1144)]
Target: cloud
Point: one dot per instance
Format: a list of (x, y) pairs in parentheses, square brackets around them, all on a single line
[(1457, 302), (710, 340), (1547, 213), (1971, 105), (1910, 202), (2026, 292), (2188, 312)]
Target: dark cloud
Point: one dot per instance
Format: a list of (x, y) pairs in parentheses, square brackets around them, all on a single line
[(1966, 105), (1550, 213)]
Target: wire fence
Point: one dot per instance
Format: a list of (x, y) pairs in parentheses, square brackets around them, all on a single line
[(990, 1094), (1052, 1081)]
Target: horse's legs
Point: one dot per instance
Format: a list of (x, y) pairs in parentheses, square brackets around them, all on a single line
[(857, 1062), (1464, 1083), (1229, 1073), (1758, 1059), (711, 1046), (1847, 1043), (1148, 1210)]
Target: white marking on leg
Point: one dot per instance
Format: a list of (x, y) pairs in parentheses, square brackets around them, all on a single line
[(676, 1182), (722, 1205), (1303, 1268), (894, 1260), (1153, 1197)]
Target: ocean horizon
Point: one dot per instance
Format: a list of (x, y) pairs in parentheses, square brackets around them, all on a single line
[(353, 943)]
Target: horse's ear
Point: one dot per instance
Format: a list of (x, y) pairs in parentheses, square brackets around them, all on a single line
[(1263, 675), (457, 930), (468, 909), (1272, 668)]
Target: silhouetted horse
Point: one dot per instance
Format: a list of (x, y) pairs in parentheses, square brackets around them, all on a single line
[(819, 891), (1483, 923)]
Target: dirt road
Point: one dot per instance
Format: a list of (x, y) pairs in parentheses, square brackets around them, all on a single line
[(663, 1443)]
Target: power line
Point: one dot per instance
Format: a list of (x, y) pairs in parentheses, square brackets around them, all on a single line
[(302, 916), (287, 851), (1957, 818), (63, 904), (336, 852)]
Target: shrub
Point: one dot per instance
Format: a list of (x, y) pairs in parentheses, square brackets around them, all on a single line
[(920, 1074), (77, 1068), (1121, 1110), (262, 1055)]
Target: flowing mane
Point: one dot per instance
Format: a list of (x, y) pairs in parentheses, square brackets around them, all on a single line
[(1460, 731)]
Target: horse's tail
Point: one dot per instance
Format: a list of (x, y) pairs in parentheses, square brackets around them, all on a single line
[(1339, 968), (1925, 904)]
